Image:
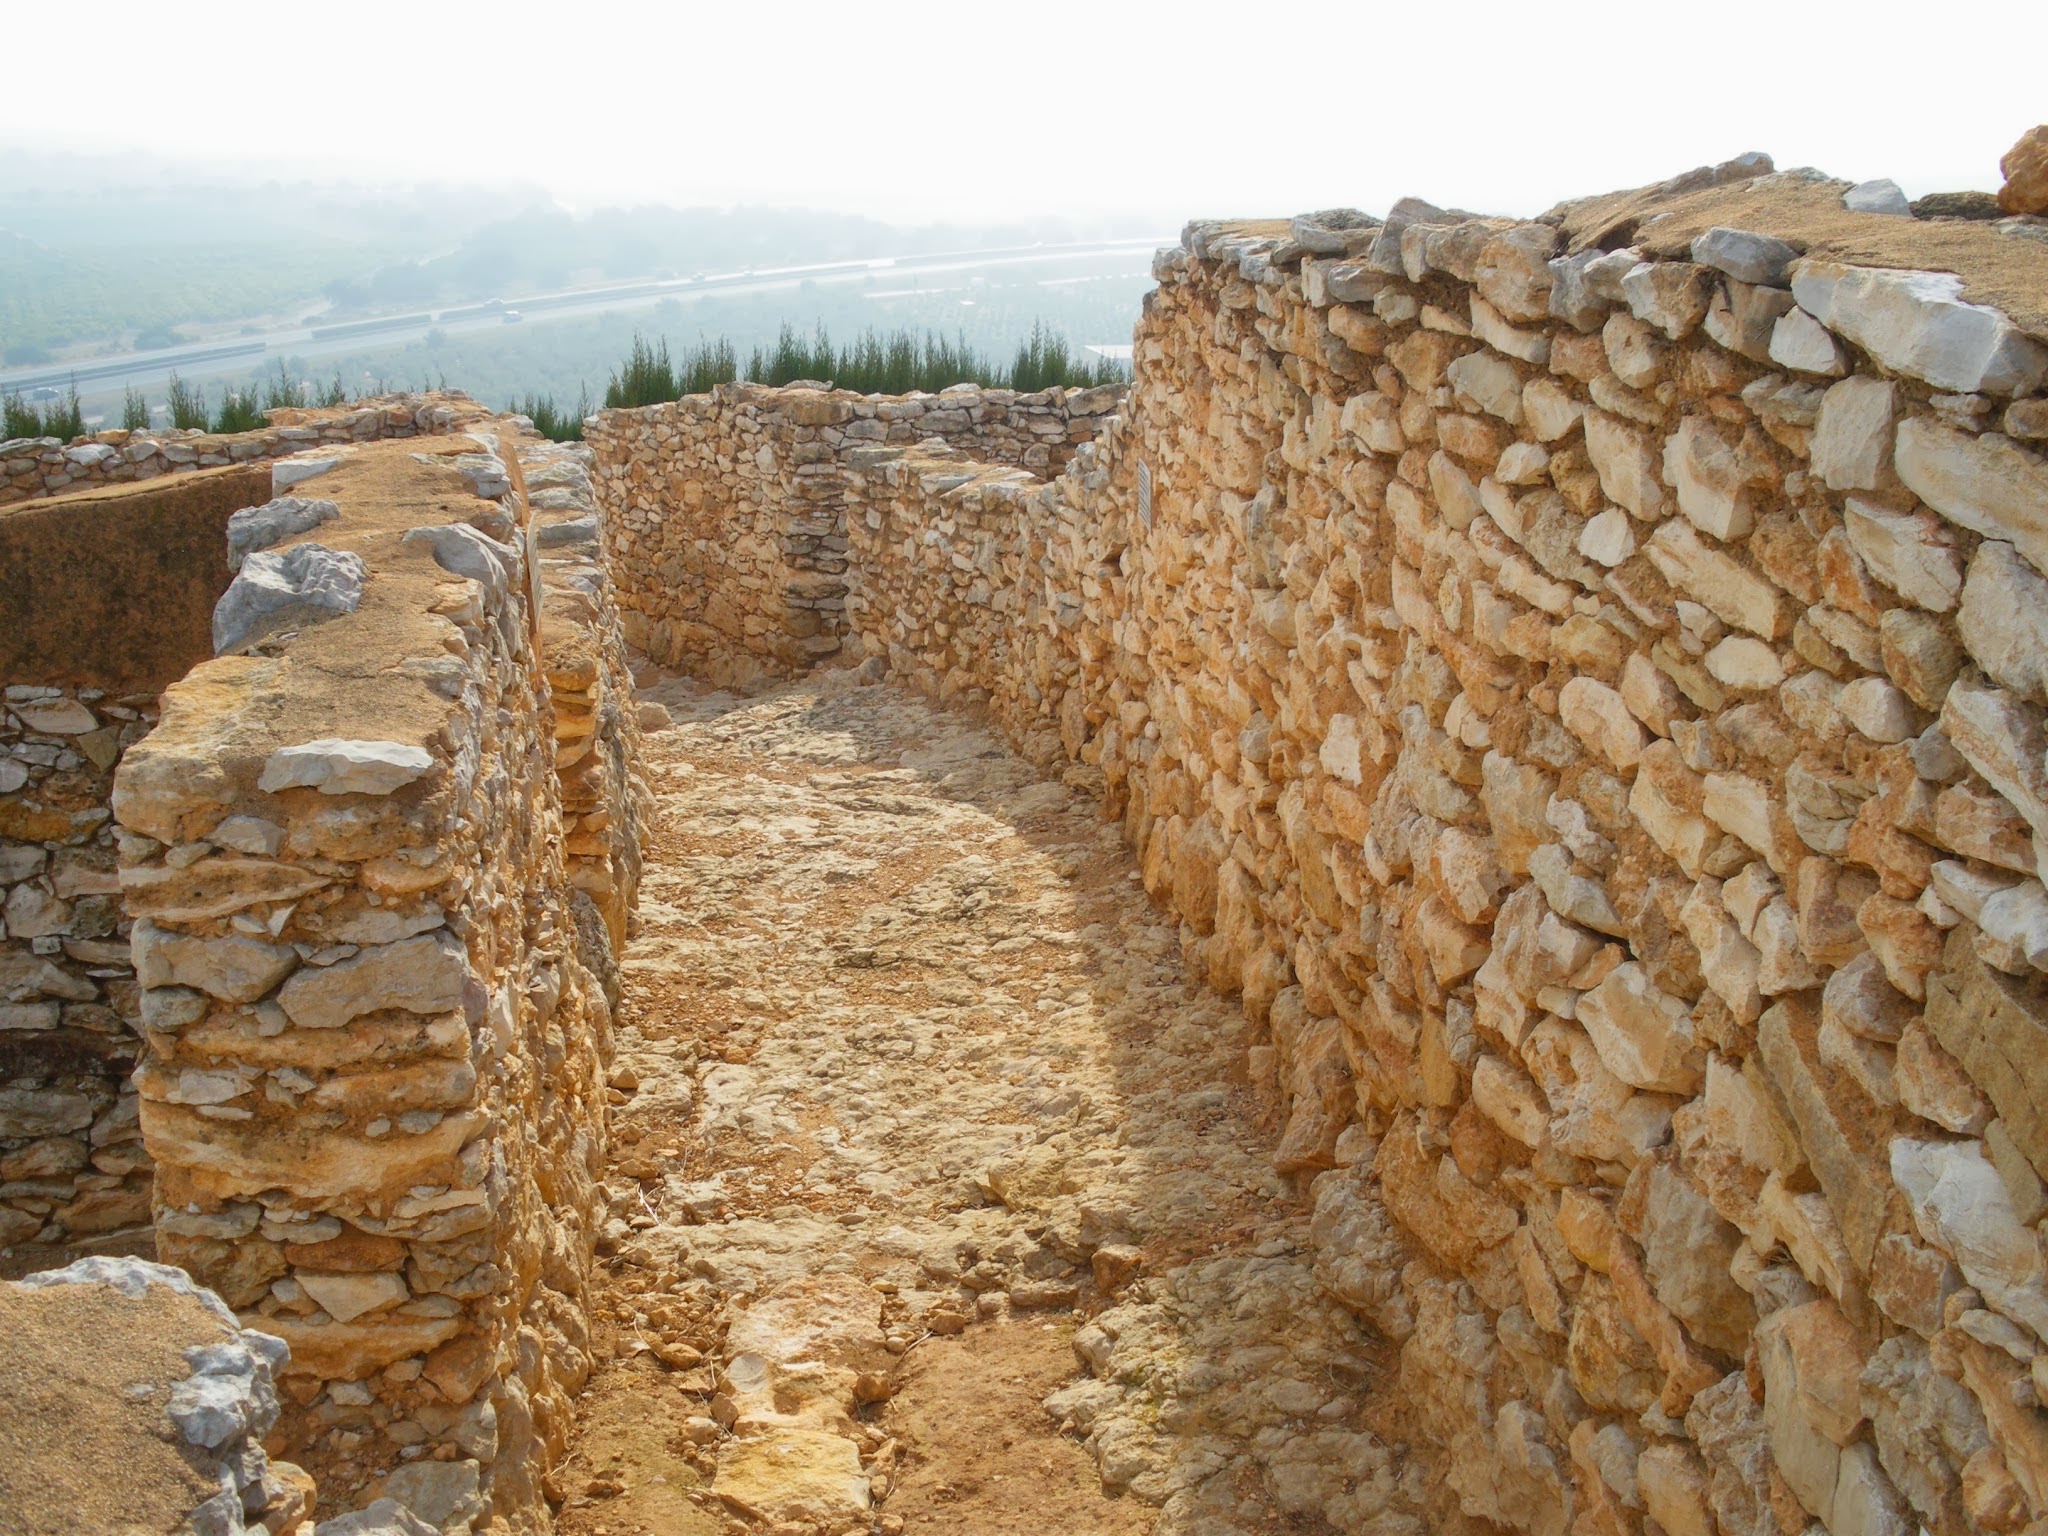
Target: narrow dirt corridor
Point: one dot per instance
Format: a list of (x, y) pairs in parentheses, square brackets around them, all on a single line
[(940, 1202)]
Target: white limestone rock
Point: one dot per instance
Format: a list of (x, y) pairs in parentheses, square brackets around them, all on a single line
[(462, 551), (299, 468), (1988, 483), (335, 765), (1489, 382), (305, 585), (348, 1296), (1743, 255), (54, 717), (1883, 196), (283, 517), (1912, 553), (1852, 442), (1643, 1034), (1961, 1206), (1918, 323), (2004, 619), (1803, 344)]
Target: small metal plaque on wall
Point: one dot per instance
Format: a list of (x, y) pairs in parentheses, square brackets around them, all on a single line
[(1144, 493)]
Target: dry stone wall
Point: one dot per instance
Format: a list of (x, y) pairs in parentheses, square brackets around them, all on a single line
[(728, 525), (35, 467), (1588, 698), (373, 952), (110, 596), (72, 1166)]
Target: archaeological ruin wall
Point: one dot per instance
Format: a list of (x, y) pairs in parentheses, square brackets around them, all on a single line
[(125, 582), (319, 808), (35, 468), (728, 528), (1582, 681), (112, 592), (375, 873)]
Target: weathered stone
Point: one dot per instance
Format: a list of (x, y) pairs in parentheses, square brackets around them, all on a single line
[(1643, 1034), (235, 969), (1852, 441), (1960, 1206), (1717, 480), (1838, 1127), (1917, 323), (2025, 167), (307, 584), (337, 766), (419, 975), (1750, 258), (1805, 345), (2004, 619), (259, 528), (1988, 484), (1997, 1029)]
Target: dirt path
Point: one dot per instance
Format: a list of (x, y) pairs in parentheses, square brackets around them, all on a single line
[(916, 1115)]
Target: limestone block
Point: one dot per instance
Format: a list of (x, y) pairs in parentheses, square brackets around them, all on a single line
[(1629, 465), (1671, 295), (419, 975), (306, 584), (1989, 484), (1489, 382), (1717, 480), (1852, 441), (1643, 1035), (2004, 619), (236, 969), (1597, 715), (1728, 589), (1960, 1205), (285, 517), (1917, 323), (1805, 345), (338, 766), (1839, 1129), (1912, 553), (1743, 317)]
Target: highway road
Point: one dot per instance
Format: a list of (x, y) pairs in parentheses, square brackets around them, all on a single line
[(101, 376)]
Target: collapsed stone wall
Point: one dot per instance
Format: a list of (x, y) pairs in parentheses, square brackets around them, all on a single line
[(32, 468), (374, 951), (728, 510), (1582, 681)]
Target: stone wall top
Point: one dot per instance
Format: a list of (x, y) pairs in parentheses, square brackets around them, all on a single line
[(32, 468)]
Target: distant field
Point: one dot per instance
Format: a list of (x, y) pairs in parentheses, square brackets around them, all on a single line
[(564, 357)]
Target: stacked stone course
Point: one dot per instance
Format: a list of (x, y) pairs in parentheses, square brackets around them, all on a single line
[(1591, 704), (32, 468), (728, 528), (71, 1162), (376, 1020)]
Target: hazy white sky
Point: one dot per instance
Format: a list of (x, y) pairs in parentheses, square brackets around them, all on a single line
[(974, 109)]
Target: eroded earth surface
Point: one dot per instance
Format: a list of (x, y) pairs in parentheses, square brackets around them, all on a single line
[(940, 1200)]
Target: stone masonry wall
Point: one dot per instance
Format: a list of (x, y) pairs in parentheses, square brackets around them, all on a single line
[(36, 467), (72, 1167), (728, 527), (1589, 697), (373, 994), (109, 597)]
